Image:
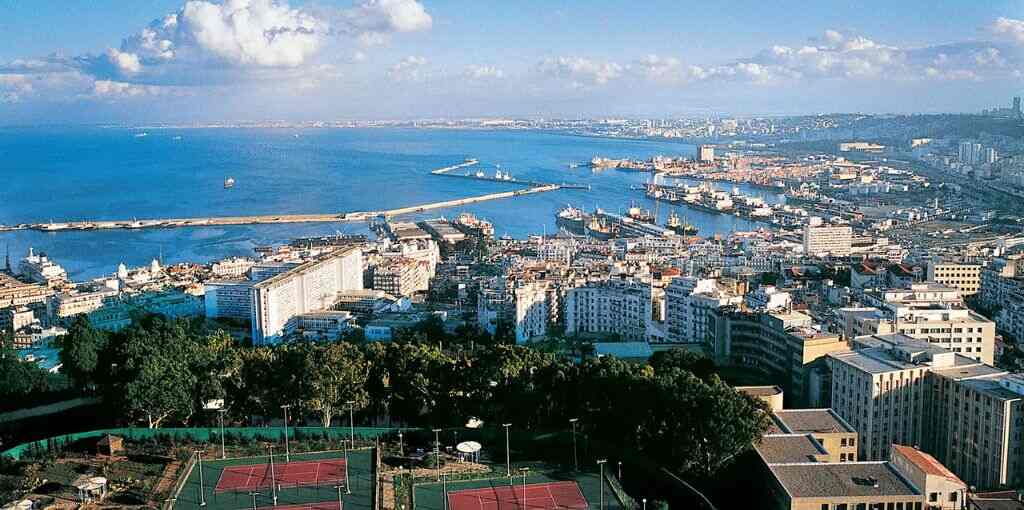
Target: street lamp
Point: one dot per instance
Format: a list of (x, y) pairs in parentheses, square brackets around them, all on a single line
[(273, 475), (645, 503), (401, 446), (437, 452), (287, 453), (620, 470), (508, 454), (601, 464), (351, 425), (223, 452), (575, 458), (202, 481)]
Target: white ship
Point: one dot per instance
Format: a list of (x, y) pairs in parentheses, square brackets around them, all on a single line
[(229, 183)]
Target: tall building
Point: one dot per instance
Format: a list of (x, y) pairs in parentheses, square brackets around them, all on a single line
[(965, 153), (229, 299), (825, 241), (622, 308), (963, 276), (706, 153), (967, 414), (687, 303), (309, 287), (400, 276)]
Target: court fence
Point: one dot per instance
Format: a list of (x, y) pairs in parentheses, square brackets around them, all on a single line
[(53, 445), (180, 484)]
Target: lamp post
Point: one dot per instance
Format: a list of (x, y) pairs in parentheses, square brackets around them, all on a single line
[(437, 452), (348, 485), (287, 453), (508, 454), (401, 446), (202, 481), (223, 451), (525, 471), (254, 494), (575, 457), (620, 470), (273, 475), (351, 425), (645, 503), (601, 463), (444, 489)]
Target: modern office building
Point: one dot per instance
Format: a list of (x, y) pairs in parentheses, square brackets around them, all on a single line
[(827, 241), (231, 299), (310, 287)]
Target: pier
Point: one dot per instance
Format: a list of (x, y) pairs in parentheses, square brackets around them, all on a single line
[(354, 216), (447, 172)]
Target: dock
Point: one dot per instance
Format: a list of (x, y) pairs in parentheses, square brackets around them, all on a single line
[(447, 172), (216, 221)]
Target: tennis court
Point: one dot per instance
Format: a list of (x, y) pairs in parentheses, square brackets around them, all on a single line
[(541, 496), (323, 505), (292, 474)]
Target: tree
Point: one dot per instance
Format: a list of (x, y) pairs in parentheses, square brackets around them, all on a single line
[(682, 359), (335, 374), (80, 351)]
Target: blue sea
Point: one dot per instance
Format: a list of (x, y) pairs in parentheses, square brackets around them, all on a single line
[(64, 174)]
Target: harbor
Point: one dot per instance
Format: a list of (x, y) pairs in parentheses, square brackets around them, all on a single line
[(353, 216), (499, 176)]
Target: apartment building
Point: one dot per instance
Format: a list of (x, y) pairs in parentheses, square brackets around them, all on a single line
[(613, 307), (400, 276), (963, 276), (827, 241), (231, 299), (788, 347), (688, 301)]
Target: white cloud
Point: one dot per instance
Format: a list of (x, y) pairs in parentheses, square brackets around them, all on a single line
[(580, 70), (411, 68), (116, 89), (126, 63), (372, 20), (481, 72), (1009, 28)]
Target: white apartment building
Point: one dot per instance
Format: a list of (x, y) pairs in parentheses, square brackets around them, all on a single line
[(688, 300), (310, 287), (620, 308), (825, 241), (228, 299), (234, 267), (528, 307), (67, 305)]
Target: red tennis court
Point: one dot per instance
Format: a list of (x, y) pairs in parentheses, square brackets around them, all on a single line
[(323, 505), (541, 496), (292, 474)]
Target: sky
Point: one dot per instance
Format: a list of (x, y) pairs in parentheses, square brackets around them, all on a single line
[(138, 61)]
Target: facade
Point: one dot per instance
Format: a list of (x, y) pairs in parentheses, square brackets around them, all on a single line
[(321, 326), (964, 277), (622, 308), (688, 301), (827, 241), (68, 305), (837, 437), (18, 294), (706, 153), (786, 346), (310, 287), (401, 277), (235, 267), (229, 299)]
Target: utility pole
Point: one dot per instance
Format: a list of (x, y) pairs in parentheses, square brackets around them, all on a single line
[(287, 453), (508, 453), (601, 463)]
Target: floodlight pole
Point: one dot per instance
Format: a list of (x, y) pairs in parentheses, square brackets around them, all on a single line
[(351, 423), (437, 452), (575, 457), (602, 463), (508, 453), (223, 450), (525, 471), (287, 453), (340, 506), (444, 489), (645, 503), (348, 483), (254, 494), (202, 482), (273, 475)]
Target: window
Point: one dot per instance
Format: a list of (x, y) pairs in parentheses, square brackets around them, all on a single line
[(933, 497)]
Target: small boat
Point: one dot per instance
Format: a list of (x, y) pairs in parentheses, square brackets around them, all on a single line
[(229, 183), (141, 135)]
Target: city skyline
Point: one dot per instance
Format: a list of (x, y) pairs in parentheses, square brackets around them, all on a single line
[(194, 61)]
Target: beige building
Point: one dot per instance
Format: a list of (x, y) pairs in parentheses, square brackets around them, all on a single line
[(942, 489), (400, 276), (770, 395), (964, 277), (825, 241), (622, 308), (787, 346), (839, 438)]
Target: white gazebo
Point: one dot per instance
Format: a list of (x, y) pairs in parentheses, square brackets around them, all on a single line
[(91, 489), (469, 450)]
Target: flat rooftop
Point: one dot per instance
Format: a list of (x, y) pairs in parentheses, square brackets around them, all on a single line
[(807, 421), (759, 391), (789, 449), (844, 479)]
